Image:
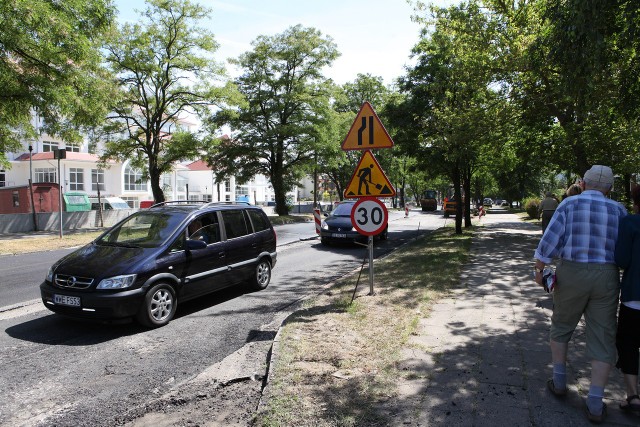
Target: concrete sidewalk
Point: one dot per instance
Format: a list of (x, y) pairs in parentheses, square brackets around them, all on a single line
[(484, 358)]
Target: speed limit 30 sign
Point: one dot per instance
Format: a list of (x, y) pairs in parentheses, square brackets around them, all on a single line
[(369, 216)]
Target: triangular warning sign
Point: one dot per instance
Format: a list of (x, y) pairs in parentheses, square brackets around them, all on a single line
[(369, 180), (367, 132)]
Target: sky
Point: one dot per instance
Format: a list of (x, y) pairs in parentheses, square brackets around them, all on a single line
[(373, 36)]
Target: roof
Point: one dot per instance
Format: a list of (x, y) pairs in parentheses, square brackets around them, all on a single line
[(71, 155), (198, 165)]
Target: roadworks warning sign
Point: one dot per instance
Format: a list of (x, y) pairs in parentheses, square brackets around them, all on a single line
[(369, 179)]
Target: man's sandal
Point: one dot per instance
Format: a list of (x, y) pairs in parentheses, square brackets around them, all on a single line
[(596, 418), (631, 407), (559, 392)]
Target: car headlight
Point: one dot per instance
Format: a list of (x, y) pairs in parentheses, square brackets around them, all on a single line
[(324, 225), (49, 277), (117, 282)]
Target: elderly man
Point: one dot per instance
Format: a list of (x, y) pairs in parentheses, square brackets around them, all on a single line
[(582, 234), (548, 206)]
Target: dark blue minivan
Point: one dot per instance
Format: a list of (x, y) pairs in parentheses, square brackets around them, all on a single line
[(172, 252)]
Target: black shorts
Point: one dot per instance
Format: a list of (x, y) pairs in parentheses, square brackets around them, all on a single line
[(628, 340)]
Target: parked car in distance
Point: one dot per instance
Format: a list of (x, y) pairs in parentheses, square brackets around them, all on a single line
[(337, 226), (487, 202), (154, 259), (108, 203)]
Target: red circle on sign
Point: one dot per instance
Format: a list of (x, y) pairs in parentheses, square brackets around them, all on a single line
[(369, 216)]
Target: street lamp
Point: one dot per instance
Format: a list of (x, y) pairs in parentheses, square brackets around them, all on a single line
[(60, 153), (33, 206)]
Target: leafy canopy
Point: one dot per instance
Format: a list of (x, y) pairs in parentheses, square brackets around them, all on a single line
[(50, 64)]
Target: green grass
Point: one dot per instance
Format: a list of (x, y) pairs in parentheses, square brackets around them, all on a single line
[(330, 337)]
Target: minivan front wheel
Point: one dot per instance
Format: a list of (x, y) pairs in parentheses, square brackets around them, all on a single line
[(159, 306), (261, 276)]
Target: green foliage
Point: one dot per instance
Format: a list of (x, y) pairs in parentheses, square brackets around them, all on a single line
[(51, 64), (453, 105), (276, 131), (165, 71), (532, 207)]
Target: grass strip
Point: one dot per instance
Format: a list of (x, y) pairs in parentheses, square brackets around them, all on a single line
[(337, 361)]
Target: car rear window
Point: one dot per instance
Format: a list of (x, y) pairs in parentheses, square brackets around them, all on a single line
[(235, 223), (259, 220)]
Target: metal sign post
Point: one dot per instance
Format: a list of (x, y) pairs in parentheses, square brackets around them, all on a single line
[(370, 217), (371, 265)]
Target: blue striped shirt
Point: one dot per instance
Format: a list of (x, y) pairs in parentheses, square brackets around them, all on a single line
[(584, 228)]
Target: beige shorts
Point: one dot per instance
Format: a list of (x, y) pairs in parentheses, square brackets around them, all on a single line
[(592, 290)]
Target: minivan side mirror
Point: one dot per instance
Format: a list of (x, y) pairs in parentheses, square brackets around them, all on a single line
[(195, 244)]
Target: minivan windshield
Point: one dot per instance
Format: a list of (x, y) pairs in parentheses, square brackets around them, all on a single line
[(144, 229)]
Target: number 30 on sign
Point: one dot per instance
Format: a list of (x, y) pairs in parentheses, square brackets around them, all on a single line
[(369, 216)]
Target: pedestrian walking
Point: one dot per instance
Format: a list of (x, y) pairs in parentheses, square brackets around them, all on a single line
[(582, 236), (627, 257), (547, 207)]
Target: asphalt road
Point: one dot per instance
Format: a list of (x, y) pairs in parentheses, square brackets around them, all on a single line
[(69, 373)]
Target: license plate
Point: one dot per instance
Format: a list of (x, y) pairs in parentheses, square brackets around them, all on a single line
[(66, 300), (339, 236)]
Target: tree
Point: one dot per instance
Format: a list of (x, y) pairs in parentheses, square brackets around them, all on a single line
[(451, 99), (275, 133), (166, 72), (564, 73), (50, 64)]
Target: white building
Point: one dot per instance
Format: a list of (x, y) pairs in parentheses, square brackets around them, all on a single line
[(80, 172)]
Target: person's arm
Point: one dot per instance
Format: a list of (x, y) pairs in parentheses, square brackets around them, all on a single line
[(538, 267), (623, 244)]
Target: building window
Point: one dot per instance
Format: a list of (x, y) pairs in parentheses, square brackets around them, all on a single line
[(227, 186), (73, 147), (181, 183), (49, 146), (194, 197), (241, 190), (97, 180), (133, 180), (76, 179), (46, 175), (207, 198), (3, 179)]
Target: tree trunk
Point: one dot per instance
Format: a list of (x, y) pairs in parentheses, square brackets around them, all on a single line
[(280, 194), (457, 194), (156, 189), (466, 182)]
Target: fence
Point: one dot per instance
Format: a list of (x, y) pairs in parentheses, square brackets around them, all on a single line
[(50, 221)]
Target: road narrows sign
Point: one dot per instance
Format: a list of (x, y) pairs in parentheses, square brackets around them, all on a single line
[(369, 216), (367, 131), (369, 179)]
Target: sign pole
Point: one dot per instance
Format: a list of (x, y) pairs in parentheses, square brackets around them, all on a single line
[(368, 182), (370, 265)]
